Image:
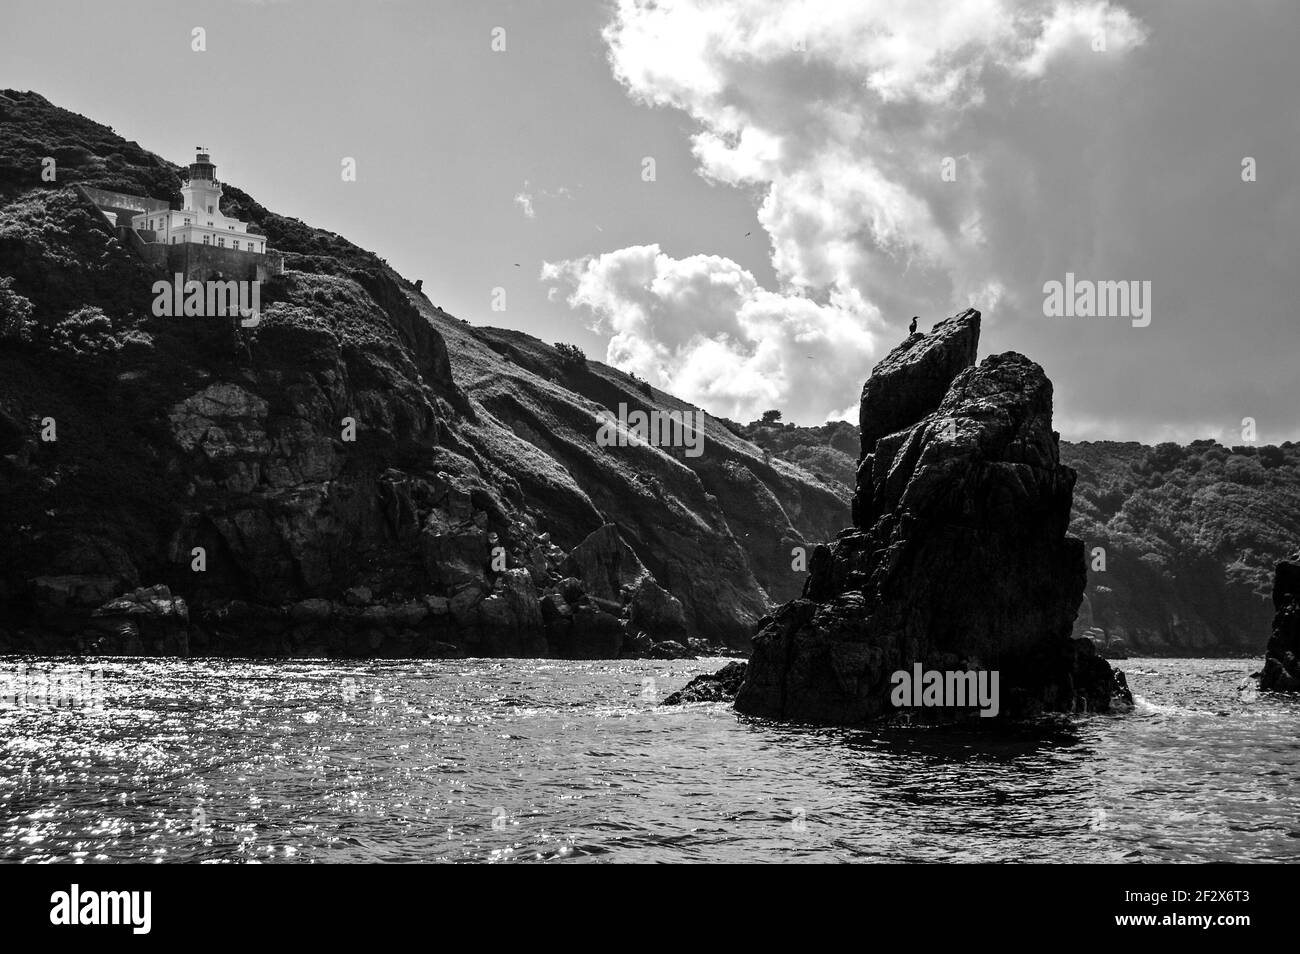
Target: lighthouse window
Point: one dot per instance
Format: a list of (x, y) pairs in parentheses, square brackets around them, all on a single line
[(209, 213), (205, 240), (222, 242)]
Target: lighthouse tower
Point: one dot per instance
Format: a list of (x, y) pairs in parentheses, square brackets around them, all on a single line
[(201, 221), (202, 191)]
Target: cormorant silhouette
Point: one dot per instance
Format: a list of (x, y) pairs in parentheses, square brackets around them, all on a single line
[(911, 329)]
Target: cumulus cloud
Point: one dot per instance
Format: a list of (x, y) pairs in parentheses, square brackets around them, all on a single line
[(702, 327), (840, 116), (1076, 29)]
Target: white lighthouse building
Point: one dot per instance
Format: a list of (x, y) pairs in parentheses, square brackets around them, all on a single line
[(200, 222)]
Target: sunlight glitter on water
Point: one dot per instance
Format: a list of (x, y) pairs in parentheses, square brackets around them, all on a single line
[(542, 760)]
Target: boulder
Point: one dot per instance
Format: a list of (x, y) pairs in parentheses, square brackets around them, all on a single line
[(604, 563), (720, 686), (657, 612), (959, 561), (670, 649), (1281, 671), (149, 616), (571, 589)]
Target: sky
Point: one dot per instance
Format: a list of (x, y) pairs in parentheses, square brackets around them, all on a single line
[(746, 201)]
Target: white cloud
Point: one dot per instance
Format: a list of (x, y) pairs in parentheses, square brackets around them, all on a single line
[(1081, 29), (840, 116), (525, 201), (702, 328), (526, 197)]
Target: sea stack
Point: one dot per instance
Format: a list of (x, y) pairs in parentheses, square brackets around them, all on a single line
[(958, 559), (1281, 665)]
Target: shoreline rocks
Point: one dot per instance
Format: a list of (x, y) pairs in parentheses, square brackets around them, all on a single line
[(146, 621), (720, 686), (596, 602)]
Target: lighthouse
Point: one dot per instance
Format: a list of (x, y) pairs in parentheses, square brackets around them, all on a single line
[(197, 241), (202, 191), (201, 221)]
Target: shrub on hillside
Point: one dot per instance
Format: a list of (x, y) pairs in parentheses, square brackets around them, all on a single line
[(15, 313), (88, 332), (572, 358)]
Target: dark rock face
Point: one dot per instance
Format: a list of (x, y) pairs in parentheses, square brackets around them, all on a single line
[(912, 379), (471, 507), (611, 572), (720, 686), (1282, 657), (959, 559)]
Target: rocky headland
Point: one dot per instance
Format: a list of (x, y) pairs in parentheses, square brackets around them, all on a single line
[(177, 484)]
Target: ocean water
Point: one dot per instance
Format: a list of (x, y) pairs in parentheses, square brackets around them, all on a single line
[(543, 761)]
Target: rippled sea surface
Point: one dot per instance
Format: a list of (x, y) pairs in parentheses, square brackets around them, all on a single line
[(543, 760)]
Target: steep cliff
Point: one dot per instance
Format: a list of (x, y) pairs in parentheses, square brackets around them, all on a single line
[(360, 474)]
